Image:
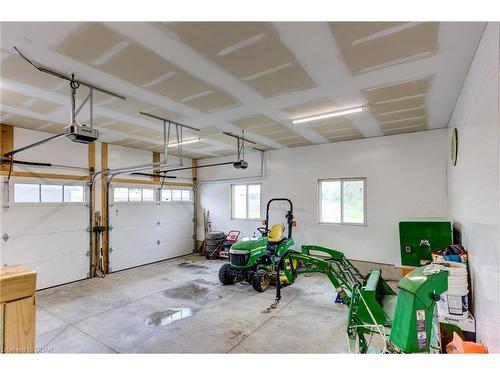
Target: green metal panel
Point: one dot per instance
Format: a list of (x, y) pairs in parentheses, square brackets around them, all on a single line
[(415, 235), (413, 325), (379, 298)]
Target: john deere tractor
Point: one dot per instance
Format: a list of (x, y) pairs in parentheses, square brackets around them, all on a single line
[(254, 259), (406, 321)]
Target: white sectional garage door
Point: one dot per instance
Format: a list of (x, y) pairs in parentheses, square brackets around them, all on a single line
[(143, 233), (50, 238)]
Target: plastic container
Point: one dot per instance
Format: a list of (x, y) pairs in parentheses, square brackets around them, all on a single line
[(454, 303), (459, 346)]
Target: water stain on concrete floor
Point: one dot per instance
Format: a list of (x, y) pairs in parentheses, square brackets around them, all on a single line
[(206, 282), (193, 292), (192, 266), (168, 316), (189, 290), (236, 335)]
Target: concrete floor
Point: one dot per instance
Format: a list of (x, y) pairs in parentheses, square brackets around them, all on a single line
[(109, 315)]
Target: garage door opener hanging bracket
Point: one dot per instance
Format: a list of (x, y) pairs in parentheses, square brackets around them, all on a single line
[(167, 127), (240, 163)]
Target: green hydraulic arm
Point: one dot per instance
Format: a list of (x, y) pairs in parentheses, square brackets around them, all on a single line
[(339, 270)]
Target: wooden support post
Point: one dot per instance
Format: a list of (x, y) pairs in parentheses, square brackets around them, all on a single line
[(6, 142), (104, 208), (91, 157), (194, 170), (156, 158)]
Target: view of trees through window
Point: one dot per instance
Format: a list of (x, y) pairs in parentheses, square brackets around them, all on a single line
[(342, 201)]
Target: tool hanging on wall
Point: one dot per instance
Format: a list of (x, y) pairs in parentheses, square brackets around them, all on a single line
[(97, 265), (167, 127)]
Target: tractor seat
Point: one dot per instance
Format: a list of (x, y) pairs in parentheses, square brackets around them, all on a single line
[(276, 234)]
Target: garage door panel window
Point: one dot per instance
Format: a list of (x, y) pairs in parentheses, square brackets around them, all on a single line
[(342, 201), (148, 195), (176, 195), (26, 193), (120, 194), (133, 195), (48, 193), (74, 194), (246, 202), (166, 195), (51, 193), (186, 195)]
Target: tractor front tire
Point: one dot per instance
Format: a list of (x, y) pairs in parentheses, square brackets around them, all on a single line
[(261, 281), (224, 276)]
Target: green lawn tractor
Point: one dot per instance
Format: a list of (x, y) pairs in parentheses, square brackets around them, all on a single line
[(254, 259)]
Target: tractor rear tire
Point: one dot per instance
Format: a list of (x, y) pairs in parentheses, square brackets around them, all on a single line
[(261, 281), (224, 276)]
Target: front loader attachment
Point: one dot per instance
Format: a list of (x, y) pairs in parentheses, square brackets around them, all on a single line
[(403, 322), (319, 259)]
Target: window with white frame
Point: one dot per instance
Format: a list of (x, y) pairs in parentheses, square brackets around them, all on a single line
[(48, 193), (342, 201), (245, 201), (176, 195), (133, 194)]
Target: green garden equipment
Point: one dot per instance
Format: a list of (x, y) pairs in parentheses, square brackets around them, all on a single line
[(254, 259), (404, 322)]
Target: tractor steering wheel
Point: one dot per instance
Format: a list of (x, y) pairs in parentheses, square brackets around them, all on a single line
[(263, 230)]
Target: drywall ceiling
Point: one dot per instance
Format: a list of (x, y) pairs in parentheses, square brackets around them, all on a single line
[(234, 76)]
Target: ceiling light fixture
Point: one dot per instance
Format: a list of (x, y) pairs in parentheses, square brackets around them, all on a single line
[(110, 53), (194, 140), (328, 115), (386, 32), (241, 44)]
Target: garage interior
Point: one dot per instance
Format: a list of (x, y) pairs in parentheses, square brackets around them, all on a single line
[(250, 187)]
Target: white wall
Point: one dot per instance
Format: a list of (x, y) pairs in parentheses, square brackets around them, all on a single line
[(406, 178), (473, 184)]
